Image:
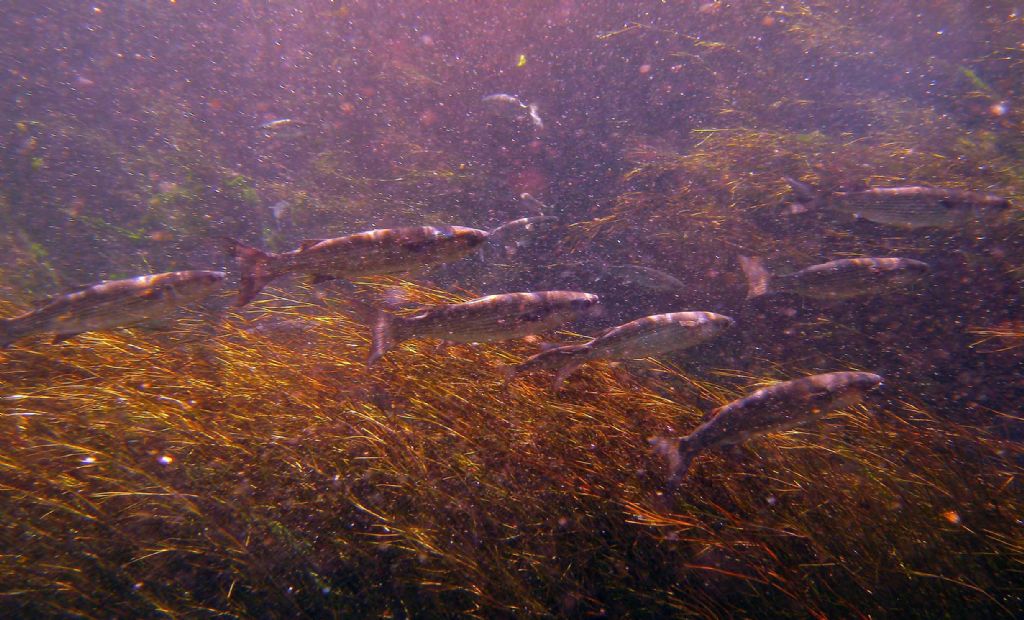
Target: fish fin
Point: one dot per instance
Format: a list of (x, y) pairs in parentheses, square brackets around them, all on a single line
[(757, 276), (321, 278), (711, 414), (255, 266), (803, 194), (385, 332), (396, 298), (507, 372), (308, 243), (678, 454), (7, 333), (539, 206), (564, 372), (62, 337), (45, 301)]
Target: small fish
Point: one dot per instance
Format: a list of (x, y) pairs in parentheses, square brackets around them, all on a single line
[(906, 207), (284, 128), (776, 408), (646, 277), (111, 304), (486, 319), (281, 123), (374, 252), (645, 337), (515, 235), (835, 280), (531, 108), (504, 98), (539, 207)]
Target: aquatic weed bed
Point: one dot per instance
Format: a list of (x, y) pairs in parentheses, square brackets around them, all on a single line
[(266, 472)]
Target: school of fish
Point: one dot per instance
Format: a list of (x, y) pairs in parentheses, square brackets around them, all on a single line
[(413, 250)]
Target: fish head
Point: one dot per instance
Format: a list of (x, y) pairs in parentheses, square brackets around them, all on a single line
[(703, 324), (469, 238), (719, 322), (994, 211), (585, 304), (837, 390), (909, 270), (916, 267)]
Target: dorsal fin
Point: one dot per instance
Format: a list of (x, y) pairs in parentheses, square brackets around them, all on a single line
[(711, 414), (42, 301), (308, 243)]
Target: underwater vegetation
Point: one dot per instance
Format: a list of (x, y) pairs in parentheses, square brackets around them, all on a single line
[(250, 465), (245, 462)]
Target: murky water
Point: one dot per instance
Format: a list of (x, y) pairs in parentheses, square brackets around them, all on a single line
[(573, 240)]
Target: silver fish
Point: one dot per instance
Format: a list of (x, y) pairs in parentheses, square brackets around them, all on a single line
[(487, 319), (284, 128), (835, 280), (646, 277), (531, 108), (539, 207), (907, 207), (645, 337), (374, 252), (513, 236), (776, 408), (111, 304)]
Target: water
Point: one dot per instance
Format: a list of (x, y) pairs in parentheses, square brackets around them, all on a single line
[(246, 462)]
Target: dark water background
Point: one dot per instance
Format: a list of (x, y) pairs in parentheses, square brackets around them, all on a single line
[(130, 142)]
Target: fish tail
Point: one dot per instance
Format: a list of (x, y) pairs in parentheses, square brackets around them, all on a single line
[(678, 453), (757, 276), (386, 330), (8, 333), (804, 197), (573, 358), (255, 266)]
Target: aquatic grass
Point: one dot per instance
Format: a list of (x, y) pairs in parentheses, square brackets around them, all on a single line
[(263, 469)]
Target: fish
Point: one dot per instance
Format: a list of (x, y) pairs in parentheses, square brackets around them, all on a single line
[(486, 319), (512, 236), (284, 128), (531, 108), (646, 277), (110, 304), (374, 252), (835, 280), (644, 337), (535, 204), (776, 408), (906, 207), (504, 98)]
